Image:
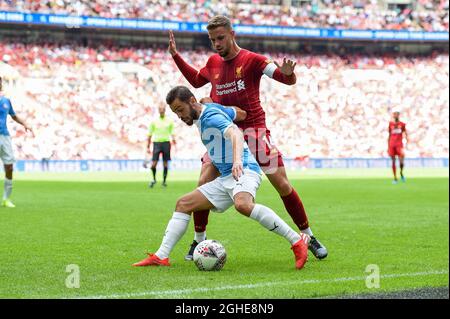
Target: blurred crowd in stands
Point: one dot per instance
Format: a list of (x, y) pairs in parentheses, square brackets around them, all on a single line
[(414, 15), (86, 102)]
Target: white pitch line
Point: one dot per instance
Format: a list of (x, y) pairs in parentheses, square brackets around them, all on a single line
[(252, 286)]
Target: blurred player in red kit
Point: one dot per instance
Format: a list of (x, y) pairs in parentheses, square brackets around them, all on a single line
[(235, 75), (397, 130)]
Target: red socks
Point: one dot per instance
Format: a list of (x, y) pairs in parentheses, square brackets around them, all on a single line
[(394, 169), (294, 207), (201, 220)]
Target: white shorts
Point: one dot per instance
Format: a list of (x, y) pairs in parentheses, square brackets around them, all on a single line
[(6, 151), (221, 191)]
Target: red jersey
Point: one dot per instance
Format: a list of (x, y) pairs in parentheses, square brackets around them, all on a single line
[(236, 82), (396, 130)]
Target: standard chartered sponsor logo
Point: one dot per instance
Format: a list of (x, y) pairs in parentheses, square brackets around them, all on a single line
[(241, 85), (230, 87), (233, 90), (226, 85)]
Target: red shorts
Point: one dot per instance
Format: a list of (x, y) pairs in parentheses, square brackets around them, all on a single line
[(267, 155), (395, 150)]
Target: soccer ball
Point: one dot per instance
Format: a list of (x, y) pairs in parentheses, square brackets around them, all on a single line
[(210, 255)]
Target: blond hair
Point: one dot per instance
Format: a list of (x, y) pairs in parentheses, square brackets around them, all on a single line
[(219, 21)]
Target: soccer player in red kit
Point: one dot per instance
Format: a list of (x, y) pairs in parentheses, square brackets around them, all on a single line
[(235, 75), (397, 130)]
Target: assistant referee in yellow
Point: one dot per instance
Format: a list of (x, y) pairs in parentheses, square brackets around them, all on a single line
[(161, 132)]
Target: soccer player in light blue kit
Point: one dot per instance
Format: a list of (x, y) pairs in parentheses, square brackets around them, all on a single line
[(6, 151), (240, 177)]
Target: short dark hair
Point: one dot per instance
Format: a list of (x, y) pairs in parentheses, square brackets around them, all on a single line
[(219, 21), (179, 92)]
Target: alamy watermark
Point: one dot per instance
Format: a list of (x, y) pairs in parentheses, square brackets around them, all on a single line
[(373, 277), (73, 279)]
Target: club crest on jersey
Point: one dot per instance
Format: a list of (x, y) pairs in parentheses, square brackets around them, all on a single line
[(216, 76), (5, 106), (239, 72)]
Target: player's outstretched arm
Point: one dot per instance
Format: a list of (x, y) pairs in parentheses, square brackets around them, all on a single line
[(191, 74), (237, 140), (284, 73), (172, 44), (22, 122)]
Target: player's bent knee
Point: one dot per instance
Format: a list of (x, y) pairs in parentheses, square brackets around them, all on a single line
[(244, 207), (184, 205)]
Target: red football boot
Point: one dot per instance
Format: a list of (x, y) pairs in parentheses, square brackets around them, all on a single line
[(153, 260), (300, 250)]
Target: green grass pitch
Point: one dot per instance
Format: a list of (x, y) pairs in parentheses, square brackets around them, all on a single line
[(103, 222)]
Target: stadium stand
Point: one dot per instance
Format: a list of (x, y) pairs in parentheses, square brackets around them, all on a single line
[(96, 102), (421, 15)]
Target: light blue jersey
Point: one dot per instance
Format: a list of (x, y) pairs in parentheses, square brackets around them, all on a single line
[(230, 111), (214, 120), (5, 109)]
